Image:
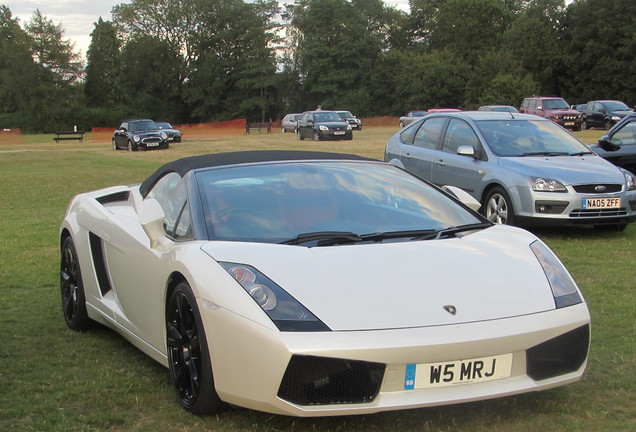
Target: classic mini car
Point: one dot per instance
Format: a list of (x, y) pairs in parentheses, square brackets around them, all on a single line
[(604, 113), (143, 134), (410, 117), (354, 121), (553, 108), (323, 125), (289, 122), (174, 135), (524, 169), (314, 284), (619, 145)]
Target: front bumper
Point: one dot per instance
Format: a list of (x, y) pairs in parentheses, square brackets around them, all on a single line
[(304, 374)]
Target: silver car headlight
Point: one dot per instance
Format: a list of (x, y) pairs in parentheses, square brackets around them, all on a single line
[(563, 286), (323, 128), (163, 135), (136, 138), (541, 184), (283, 309), (630, 180), (615, 118), (349, 127)]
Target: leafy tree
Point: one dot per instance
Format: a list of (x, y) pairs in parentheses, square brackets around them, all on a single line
[(599, 49), (104, 67)]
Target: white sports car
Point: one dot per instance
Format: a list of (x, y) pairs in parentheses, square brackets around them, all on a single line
[(313, 284)]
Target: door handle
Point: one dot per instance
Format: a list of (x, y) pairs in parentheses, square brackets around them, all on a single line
[(440, 162)]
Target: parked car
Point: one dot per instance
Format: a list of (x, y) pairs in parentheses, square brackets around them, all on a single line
[(524, 169), (501, 108), (555, 109), (579, 107), (355, 122), (289, 122), (323, 125), (619, 145), (174, 135), (604, 113), (410, 117), (260, 279), (139, 134)]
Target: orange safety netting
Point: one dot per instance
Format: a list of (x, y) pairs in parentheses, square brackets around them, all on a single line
[(10, 136)]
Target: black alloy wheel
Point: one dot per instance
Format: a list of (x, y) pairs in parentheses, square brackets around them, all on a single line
[(72, 288), (188, 356)]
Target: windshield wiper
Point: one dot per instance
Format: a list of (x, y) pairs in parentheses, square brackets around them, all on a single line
[(545, 153), (581, 153), (453, 231), (324, 238)]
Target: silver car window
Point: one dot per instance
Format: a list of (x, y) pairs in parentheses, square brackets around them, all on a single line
[(427, 136), (459, 133)]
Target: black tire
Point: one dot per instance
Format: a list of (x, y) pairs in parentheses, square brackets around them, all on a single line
[(188, 355), (608, 124), (72, 288), (316, 136), (497, 207), (114, 144), (131, 146), (584, 125)]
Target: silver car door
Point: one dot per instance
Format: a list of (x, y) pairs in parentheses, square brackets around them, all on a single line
[(417, 155)]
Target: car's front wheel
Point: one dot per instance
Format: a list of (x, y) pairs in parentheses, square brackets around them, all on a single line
[(316, 136), (72, 288), (608, 124), (497, 207), (131, 146), (114, 144), (188, 356)]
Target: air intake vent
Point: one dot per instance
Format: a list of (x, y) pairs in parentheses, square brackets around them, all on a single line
[(114, 197), (561, 355)]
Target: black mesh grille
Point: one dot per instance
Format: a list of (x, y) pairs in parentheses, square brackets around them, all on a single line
[(312, 380), (592, 188), (558, 356)]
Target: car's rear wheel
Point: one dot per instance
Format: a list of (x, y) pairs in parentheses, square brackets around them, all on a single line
[(316, 136), (188, 356), (497, 207), (72, 288)]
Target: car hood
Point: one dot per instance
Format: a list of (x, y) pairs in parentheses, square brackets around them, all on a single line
[(333, 124), (564, 111), (569, 170), (405, 284)]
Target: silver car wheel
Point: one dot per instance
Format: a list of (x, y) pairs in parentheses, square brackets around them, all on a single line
[(498, 208)]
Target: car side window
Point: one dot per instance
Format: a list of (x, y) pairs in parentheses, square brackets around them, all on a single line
[(532, 104), (459, 133), (626, 136), (427, 136), (171, 193)]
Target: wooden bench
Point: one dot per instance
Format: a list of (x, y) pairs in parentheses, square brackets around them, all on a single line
[(69, 135), (258, 126)]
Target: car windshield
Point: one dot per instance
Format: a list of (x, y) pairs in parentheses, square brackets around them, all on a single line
[(142, 126), (554, 104), (529, 137), (616, 106), (327, 117), (345, 114), (324, 201)]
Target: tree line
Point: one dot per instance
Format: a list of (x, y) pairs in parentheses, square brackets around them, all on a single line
[(191, 61)]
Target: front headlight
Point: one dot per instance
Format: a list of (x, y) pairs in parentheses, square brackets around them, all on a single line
[(348, 127), (283, 309), (163, 135), (136, 138), (615, 118), (323, 128), (630, 180), (541, 184), (563, 287)]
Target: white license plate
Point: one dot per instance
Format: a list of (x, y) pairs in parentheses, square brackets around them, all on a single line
[(443, 374), (569, 124), (339, 133), (152, 145), (600, 203)]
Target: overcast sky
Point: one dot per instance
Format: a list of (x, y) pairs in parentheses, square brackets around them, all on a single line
[(78, 16)]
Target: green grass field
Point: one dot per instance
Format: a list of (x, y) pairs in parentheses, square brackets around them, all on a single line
[(54, 379)]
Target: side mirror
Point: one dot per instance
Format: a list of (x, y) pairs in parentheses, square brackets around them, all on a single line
[(463, 197), (151, 218), (607, 145), (466, 151)]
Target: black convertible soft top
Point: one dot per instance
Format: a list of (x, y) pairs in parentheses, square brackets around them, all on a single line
[(187, 164)]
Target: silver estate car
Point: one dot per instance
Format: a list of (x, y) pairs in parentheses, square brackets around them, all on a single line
[(523, 169)]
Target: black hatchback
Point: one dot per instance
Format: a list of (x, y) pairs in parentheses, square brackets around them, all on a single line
[(323, 125), (140, 134)]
